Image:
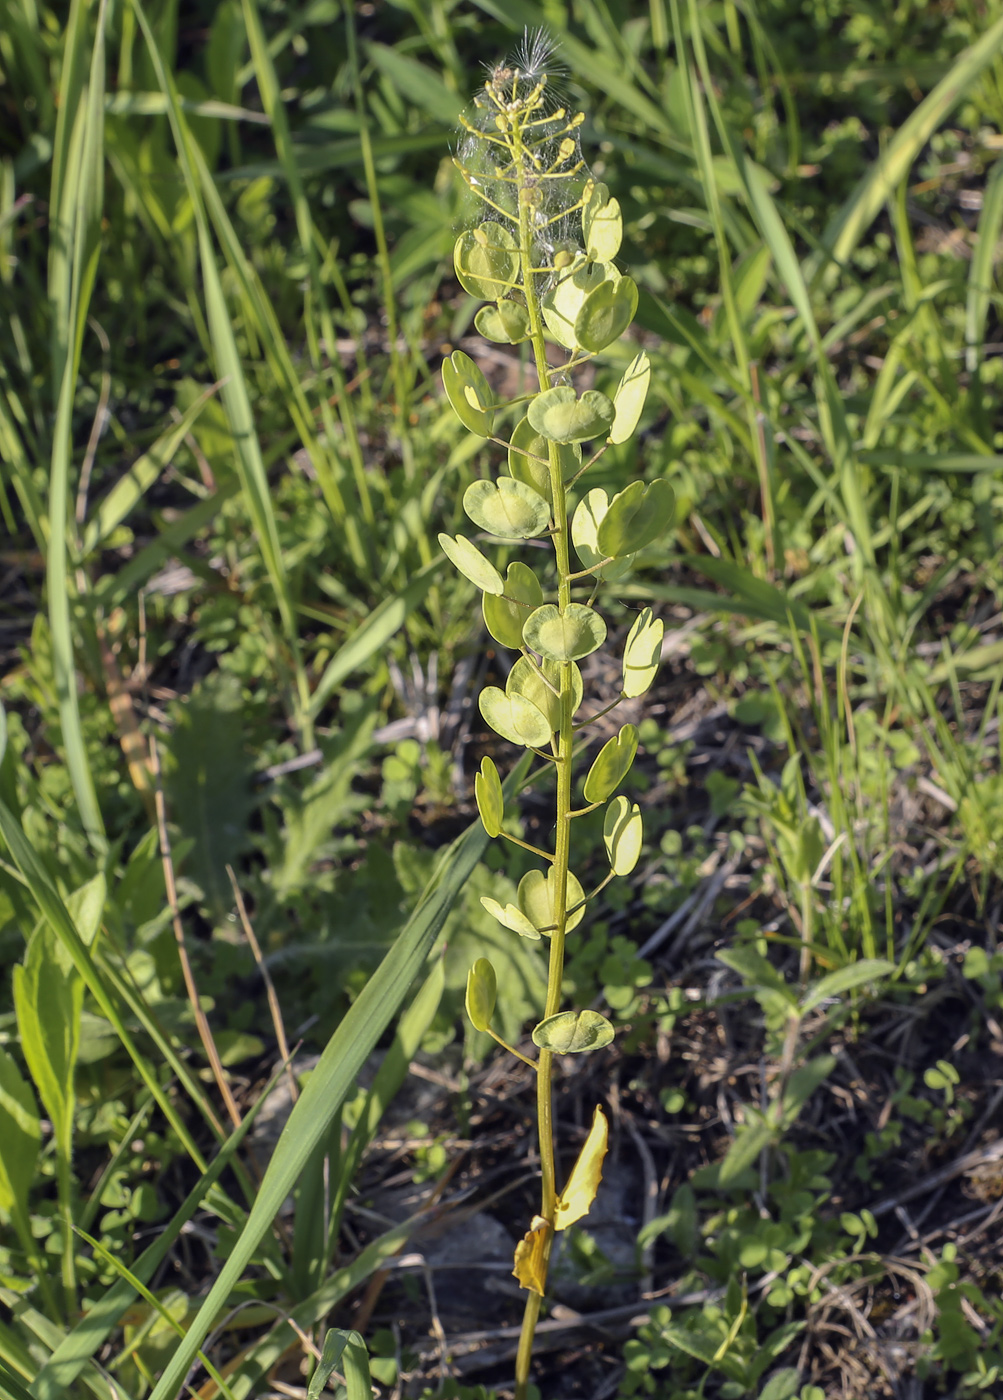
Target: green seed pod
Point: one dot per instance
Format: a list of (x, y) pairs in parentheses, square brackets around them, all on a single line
[(573, 1032), (482, 993)]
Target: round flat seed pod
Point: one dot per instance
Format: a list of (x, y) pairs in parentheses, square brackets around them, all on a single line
[(642, 653), (602, 225), (561, 416), (563, 301), (611, 766), (506, 508), (537, 897), (628, 401), (486, 260), (510, 917), (525, 678), (507, 323), (605, 315), (514, 717), (528, 458), (573, 1032), (623, 833), (567, 636), (584, 530), (482, 993), (636, 517), (466, 557), (506, 616), (469, 393), (489, 797)]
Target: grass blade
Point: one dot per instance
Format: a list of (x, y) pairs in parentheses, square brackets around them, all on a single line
[(748, 596), (271, 96), (113, 589), (78, 183), (981, 287), (848, 225), (51, 906), (129, 491), (235, 396), (372, 635)]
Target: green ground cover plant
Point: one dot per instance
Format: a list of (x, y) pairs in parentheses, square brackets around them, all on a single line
[(247, 792)]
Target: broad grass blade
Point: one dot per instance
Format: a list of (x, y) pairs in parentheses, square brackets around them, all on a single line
[(335, 1076), (52, 908), (747, 595), (388, 1079), (12, 1387), (981, 285), (71, 1356)]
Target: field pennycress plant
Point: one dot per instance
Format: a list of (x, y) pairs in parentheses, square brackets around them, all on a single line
[(542, 262)]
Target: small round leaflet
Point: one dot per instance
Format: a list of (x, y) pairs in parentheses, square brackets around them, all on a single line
[(488, 795), (636, 517), (472, 563), (612, 765), (573, 1032), (605, 315), (560, 415), (482, 991), (506, 615), (469, 393), (623, 832), (642, 653), (628, 401), (486, 260), (506, 508), (564, 636), (514, 717)]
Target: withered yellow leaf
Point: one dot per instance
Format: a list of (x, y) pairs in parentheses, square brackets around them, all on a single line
[(530, 1261), (583, 1183)]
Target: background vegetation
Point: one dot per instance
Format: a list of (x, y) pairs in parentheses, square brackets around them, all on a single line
[(230, 644)]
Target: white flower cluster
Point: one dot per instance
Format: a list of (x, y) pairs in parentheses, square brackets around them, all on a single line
[(521, 147)]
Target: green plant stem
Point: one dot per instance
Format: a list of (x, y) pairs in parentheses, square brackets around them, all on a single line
[(511, 1049), (534, 850), (65, 1185), (562, 846)]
